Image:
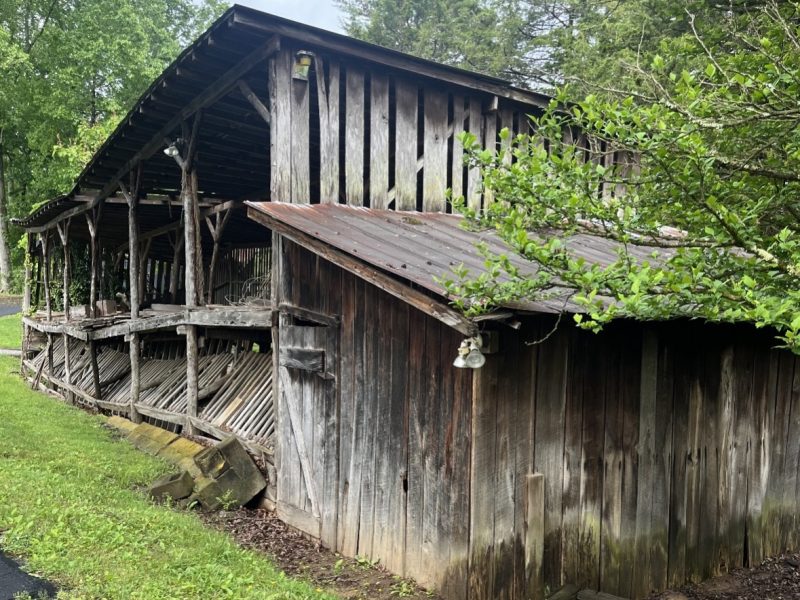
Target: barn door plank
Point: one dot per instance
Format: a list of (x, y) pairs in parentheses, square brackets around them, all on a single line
[(379, 141), (434, 170), (354, 137), (405, 182)]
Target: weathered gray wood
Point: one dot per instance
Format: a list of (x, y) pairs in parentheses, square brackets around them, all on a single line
[(288, 391), (474, 189), (302, 358), (405, 157), (63, 233), (379, 141), (490, 143), (299, 519), (457, 128), (280, 129), (328, 99), (434, 174), (386, 283), (587, 594), (301, 162), (253, 99), (98, 392), (354, 137), (534, 535), (135, 354), (567, 592)]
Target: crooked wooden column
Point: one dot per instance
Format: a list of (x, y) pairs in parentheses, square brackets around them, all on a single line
[(192, 260), (63, 234), (26, 296), (132, 197), (216, 227), (92, 222)]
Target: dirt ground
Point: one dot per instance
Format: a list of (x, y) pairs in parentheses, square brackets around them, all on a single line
[(353, 579), (774, 579)]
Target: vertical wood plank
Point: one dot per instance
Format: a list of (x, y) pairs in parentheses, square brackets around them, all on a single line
[(434, 174), (301, 140), (379, 141), (474, 189), (280, 128), (457, 165), (549, 449), (490, 143), (534, 534), (328, 99), (405, 181), (484, 436), (354, 137)]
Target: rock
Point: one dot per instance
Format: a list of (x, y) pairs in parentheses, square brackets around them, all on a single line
[(176, 486), (151, 439), (230, 477)]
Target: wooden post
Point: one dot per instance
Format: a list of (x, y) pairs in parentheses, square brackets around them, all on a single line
[(216, 228), (26, 296), (132, 196), (192, 255), (44, 239), (534, 535), (63, 233), (98, 393), (177, 247), (93, 222)]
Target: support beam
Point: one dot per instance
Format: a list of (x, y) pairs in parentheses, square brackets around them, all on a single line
[(63, 234), (253, 99), (93, 222), (132, 196), (220, 88), (45, 239), (216, 227)]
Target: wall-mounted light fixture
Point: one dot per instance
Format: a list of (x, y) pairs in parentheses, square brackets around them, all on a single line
[(174, 148), (302, 64), (469, 354)]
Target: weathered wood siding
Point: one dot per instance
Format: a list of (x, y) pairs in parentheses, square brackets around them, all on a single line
[(402, 428), (365, 135), (669, 454)]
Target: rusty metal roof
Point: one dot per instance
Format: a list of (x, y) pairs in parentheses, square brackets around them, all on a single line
[(421, 247)]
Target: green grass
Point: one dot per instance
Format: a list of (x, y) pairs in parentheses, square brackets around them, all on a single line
[(11, 331), (71, 506)]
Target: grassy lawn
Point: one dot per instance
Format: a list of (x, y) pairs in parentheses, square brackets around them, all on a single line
[(70, 505), (11, 331)]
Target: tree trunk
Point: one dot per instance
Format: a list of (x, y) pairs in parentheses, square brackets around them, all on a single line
[(5, 259)]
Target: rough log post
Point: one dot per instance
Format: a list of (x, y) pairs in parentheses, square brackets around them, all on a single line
[(63, 233), (216, 228), (93, 222), (132, 196), (143, 267), (48, 304), (26, 296), (98, 392), (177, 247), (192, 255)]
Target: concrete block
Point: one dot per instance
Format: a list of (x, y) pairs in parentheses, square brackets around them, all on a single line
[(176, 486)]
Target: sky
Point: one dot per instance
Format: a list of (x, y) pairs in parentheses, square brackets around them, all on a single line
[(320, 13)]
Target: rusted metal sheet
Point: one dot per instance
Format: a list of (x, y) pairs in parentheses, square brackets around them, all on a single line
[(423, 248)]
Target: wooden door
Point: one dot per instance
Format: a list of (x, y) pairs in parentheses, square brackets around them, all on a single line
[(307, 427)]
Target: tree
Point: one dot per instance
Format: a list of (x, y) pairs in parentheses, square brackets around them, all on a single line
[(713, 195), (71, 69), (537, 43)]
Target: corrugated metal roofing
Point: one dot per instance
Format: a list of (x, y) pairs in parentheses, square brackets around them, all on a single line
[(421, 247)]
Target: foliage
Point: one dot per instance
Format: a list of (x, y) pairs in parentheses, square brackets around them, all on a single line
[(70, 71), (539, 43), (11, 331), (70, 505), (712, 199)]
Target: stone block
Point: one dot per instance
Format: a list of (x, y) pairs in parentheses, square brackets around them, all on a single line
[(176, 486), (124, 425), (230, 476), (151, 439), (181, 452)]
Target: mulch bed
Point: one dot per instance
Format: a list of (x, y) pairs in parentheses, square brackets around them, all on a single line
[(774, 579), (303, 558)]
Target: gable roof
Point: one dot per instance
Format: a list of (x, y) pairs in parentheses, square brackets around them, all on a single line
[(239, 36)]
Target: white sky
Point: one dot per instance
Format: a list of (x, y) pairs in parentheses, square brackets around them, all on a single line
[(320, 13)]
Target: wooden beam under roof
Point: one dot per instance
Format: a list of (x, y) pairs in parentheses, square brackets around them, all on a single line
[(221, 87)]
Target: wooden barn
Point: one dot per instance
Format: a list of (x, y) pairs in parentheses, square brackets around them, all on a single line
[(255, 251)]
